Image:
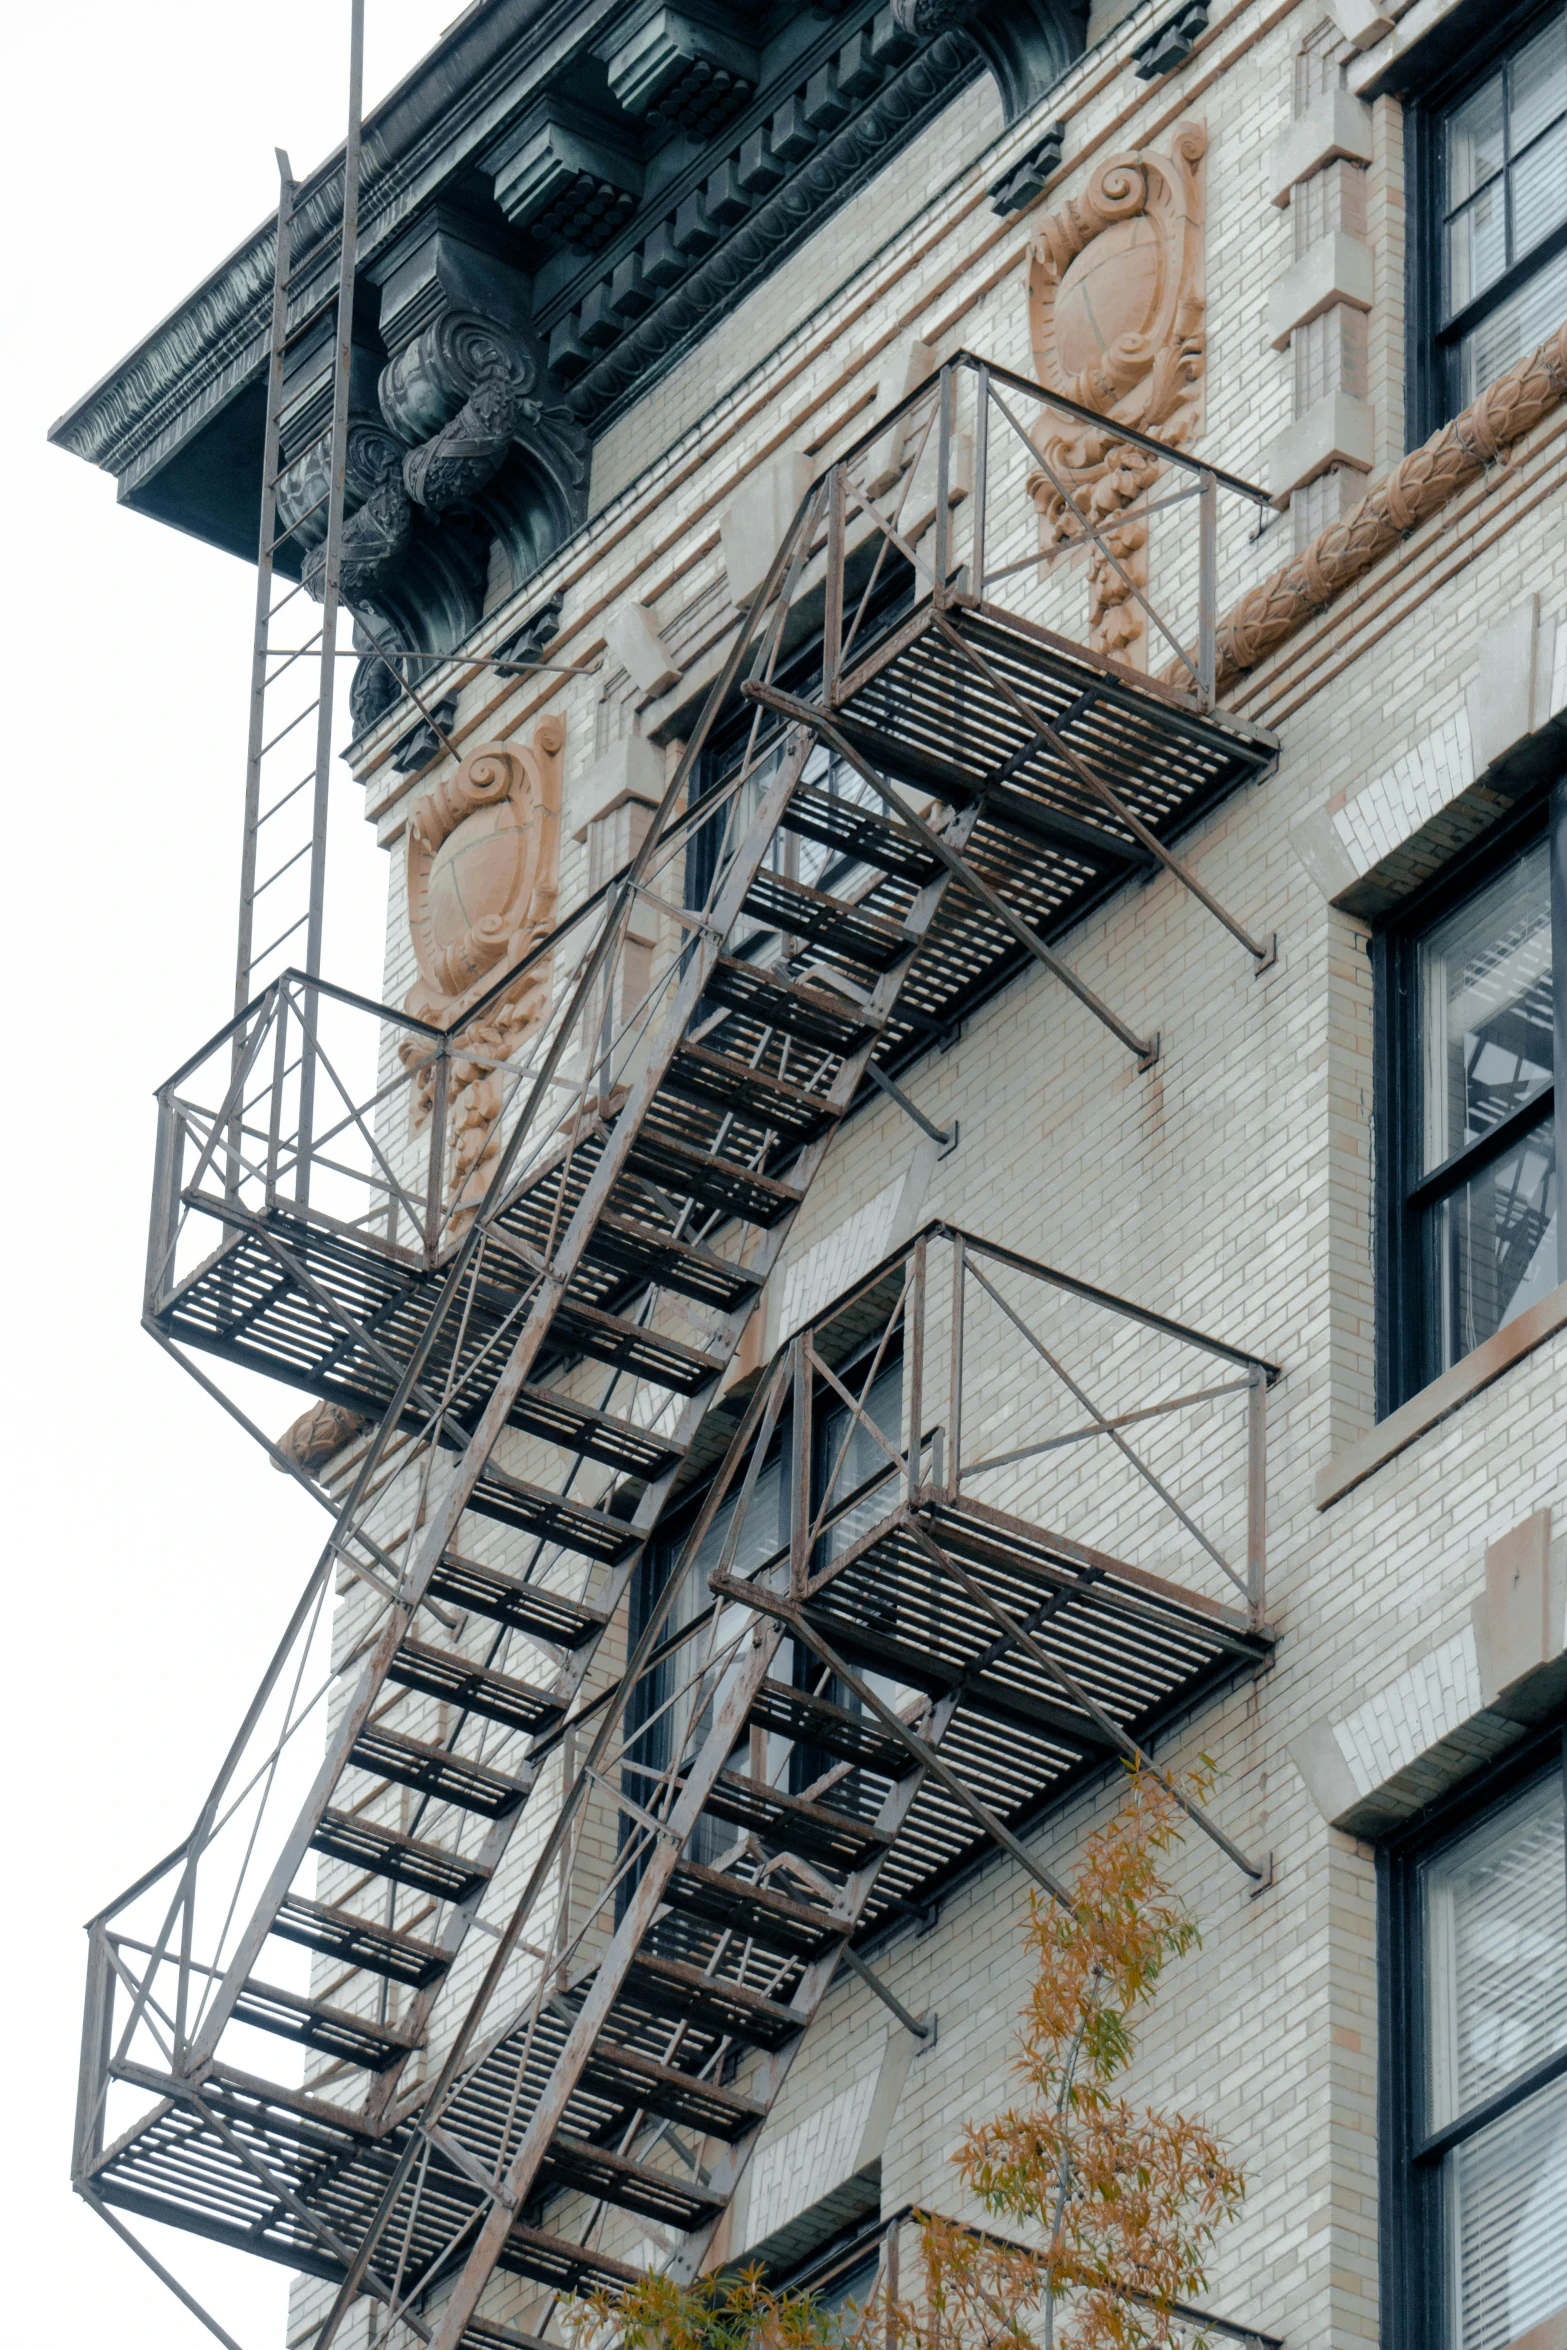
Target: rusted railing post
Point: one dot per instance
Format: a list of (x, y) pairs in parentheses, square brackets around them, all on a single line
[(1257, 1493)]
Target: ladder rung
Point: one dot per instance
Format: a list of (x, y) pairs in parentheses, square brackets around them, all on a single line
[(256, 961), (284, 732), (405, 1860), (359, 1942), (292, 793), (278, 871)]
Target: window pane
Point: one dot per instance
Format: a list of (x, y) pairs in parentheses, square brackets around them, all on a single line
[(1476, 247), (1537, 84), (1496, 1953), (1513, 327), (1507, 2220), (862, 1458), (1494, 1241), (1474, 141), (1486, 1007), (1539, 184)]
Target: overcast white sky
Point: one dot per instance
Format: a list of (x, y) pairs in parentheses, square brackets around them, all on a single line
[(153, 1552)]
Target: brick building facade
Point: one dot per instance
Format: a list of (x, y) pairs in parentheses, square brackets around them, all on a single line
[(1339, 1164)]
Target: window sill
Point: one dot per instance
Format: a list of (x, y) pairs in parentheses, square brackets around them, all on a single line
[(1356, 1462)]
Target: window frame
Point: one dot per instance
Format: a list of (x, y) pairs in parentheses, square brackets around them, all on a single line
[(1432, 342), (663, 1551), (1413, 2259), (1406, 1349)]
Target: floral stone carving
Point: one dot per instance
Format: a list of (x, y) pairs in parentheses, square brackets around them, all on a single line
[(483, 866), (1116, 309)]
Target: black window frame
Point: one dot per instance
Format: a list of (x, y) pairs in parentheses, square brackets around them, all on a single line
[(1460, 54), (662, 1554), (1406, 1344), (1413, 2264)]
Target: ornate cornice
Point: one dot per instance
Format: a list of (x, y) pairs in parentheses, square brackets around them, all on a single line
[(1415, 490), (913, 96), (458, 120)]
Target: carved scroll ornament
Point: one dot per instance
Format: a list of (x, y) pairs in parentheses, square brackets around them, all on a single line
[(483, 864), (1116, 309)]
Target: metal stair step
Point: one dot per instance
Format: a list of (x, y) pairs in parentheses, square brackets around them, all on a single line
[(434, 1771), (667, 1988), (477, 1689), (599, 1436), (831, 1729), (677, 2199), (359, 1942), (333, 2030), (753, 1094), (633, 1245), (812, 1829), (558, 2262), (678, 1167), (523, 1607), (573, 1525), (758, 1912), (405, 1860), (857, 832), (813, 1014), (643, 2085), (646, 1354), (842, 928)]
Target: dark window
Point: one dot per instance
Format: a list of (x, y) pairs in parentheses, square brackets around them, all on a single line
[(1469, 1127), (1490, 156), (671, 1707), (1475, 2069)]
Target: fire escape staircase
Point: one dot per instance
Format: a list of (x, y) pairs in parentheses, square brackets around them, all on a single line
[(944, 847)]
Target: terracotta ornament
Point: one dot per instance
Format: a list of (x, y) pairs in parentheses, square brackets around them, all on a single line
[(1116, 310), (1418, 487), (483, 870)]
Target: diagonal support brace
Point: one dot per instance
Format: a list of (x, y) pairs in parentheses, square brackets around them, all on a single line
[(889, 1999), (1018, 1636), (1264, 954), (1146, 1049), (755, 1595)]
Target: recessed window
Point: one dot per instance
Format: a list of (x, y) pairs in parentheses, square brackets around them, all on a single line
[(1477, 2230), (1495, 207), (1472, 1231)]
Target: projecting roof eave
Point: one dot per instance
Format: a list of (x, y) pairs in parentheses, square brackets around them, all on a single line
[(212, 345)]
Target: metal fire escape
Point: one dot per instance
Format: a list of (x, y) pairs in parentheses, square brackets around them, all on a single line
[(577, 1802)]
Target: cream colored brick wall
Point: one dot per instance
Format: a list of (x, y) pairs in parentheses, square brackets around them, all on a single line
[(1229, 1186)]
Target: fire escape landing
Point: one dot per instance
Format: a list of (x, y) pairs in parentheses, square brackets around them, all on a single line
[(811, 1706)]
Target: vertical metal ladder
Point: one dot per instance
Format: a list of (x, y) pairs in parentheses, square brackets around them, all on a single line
[(283, 857)]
